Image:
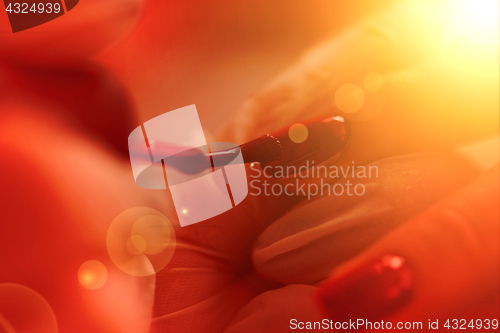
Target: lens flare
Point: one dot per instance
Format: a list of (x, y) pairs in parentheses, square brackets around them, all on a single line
[(298, 133), (349, 98), (141, 241), (477, 18), (23, 310), (136, 244), (92, 274)]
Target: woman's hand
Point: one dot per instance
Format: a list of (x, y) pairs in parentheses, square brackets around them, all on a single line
[(421, 85), (440, 265), (211, 277), (438, 90), (60, 191), (222, 266), (450, 253)]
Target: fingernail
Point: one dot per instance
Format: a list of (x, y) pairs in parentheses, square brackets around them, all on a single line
[(371, 292)]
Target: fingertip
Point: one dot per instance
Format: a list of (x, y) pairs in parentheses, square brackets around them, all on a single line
[(373, 291)]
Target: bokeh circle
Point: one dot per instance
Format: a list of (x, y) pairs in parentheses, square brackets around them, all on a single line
[(141, 241), (23, 310), (359, 91), (92, 274), (298, 133)]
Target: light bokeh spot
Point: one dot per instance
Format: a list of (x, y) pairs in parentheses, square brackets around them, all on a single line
[(140, 241), (298, 133), (373, 81), (23, 310), (92, 274), (152, 233), (136, 244), (349, 98)]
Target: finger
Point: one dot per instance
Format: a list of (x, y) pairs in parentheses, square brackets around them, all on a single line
[(83, 94), (308, 242), (56, 222), (431, 106), (393, 39), (183, 304), (86, 29), (217, 252), (448, 100), (438, 263), (279, 310), (448, 94)]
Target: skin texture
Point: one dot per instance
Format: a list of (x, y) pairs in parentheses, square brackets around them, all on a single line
[(218, 253), (260, 264), (432, 80), (424, 84), (429, 242)]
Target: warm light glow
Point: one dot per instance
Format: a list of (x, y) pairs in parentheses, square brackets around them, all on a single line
[(252, 164), (477, 18), (28, 309), (298, 133), (136, 244), (140, 241), (184, 211), (151, 234), (373, 81), (349, 98), (92, 274), (392, 261)]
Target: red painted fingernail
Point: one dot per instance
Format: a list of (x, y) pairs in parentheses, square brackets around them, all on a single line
[(372, 292)]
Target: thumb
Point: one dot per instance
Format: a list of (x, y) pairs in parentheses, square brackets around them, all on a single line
[(435, 265)]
